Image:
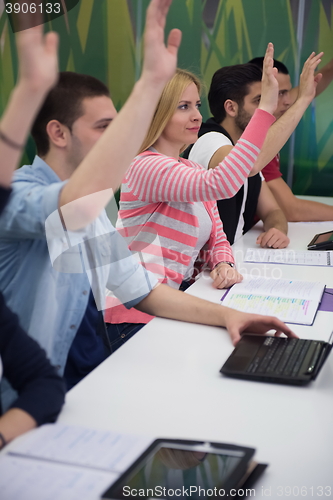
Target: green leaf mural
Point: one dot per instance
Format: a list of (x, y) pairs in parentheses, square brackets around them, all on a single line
[(313, 170), (104, 38)]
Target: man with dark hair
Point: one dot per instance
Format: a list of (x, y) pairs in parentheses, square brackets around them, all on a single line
[(65, 104), (233, 82), (286, 98), (282, 68), (233, 97), (294, 208)]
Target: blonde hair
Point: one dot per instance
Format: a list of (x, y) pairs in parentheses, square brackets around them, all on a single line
[(168, 103)]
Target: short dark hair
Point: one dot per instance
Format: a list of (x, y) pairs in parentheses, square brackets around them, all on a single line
[(282, 68), (231, 82), (64, 103)]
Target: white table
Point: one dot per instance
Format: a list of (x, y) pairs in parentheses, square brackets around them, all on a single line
[(165, 382), (328, 200)]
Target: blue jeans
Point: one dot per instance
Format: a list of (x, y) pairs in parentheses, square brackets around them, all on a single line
[(119, 333)]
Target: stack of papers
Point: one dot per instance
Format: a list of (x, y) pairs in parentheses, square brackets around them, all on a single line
[(292, 257)]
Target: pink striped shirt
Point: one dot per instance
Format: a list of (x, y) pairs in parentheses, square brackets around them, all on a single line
[(157, 204), (168, 180)]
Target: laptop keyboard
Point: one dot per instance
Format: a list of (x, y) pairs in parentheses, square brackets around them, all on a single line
[(280, 357)]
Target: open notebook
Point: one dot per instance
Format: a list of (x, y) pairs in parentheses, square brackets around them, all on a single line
[(65, 462), (292, 301)]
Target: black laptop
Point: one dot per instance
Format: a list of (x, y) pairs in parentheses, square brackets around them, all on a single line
[(277, 359)]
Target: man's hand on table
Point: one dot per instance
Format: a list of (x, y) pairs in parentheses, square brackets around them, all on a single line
[(273, 238)]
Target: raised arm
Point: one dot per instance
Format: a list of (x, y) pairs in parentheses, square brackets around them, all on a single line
[(268, 102), (38, 69), (105, 165), (282, 129), (327, 77), (154, 177)]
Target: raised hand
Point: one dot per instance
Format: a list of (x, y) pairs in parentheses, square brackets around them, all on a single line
[(269, 84), (38, 72), (38, 60), (238, 322), (160, 60), (308, 80)]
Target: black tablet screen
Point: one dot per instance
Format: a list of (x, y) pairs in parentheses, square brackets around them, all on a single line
[(324, 237), (170, 473)]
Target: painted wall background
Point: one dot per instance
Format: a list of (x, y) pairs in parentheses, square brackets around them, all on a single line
[(103, 38)]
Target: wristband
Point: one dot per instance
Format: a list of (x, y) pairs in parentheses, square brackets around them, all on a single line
[(9, 142), (225, 262), (3, 442)]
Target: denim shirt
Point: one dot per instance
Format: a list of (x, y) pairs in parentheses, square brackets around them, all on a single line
[(47, 281)]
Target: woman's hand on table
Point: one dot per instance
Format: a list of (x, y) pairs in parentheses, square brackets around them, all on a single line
[(224, 276)]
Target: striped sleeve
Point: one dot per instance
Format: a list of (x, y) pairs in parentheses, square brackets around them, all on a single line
[(222, 251), (157, 178)]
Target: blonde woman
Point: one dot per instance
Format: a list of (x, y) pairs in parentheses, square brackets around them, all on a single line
[(168, 210)]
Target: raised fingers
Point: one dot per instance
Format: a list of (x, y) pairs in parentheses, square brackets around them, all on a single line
[(268, 59), (312, 61), (174, 39), (157, 11)]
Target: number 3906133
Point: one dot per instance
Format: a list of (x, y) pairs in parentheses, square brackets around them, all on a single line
[(32, 8)]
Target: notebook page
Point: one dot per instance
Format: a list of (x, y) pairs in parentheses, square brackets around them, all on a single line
[(292, 257), (293, 301), (103, 450), (295, 289), (27, 479), (298, 311)]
